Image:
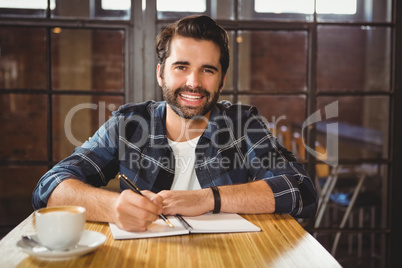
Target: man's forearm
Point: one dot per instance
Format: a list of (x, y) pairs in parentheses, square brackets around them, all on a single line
[(254, 197), (98, 202)]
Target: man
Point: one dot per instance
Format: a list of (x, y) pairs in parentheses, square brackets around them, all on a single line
[(189, 154)]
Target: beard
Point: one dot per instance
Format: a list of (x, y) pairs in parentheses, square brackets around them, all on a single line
[(189, 112)]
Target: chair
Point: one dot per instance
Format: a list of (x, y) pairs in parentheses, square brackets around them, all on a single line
[(344, 190)]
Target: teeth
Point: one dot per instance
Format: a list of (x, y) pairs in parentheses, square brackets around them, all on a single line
[(191, 97)]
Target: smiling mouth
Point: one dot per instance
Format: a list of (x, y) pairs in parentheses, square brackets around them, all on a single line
[(191, 97)]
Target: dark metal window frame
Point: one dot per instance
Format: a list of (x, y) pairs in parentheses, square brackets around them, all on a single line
[(140, 83), (395, 197), (98, 11), (16, 12), (70, 23)]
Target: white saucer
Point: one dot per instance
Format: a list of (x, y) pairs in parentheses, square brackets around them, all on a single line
[(90, 241)]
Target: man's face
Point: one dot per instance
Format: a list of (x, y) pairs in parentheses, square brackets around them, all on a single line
[(191, 77)]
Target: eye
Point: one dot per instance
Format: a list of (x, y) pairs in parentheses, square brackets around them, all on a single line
[(210, 71), (181, 68)]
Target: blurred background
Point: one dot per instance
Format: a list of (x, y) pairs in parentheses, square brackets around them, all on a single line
[(65, 65)]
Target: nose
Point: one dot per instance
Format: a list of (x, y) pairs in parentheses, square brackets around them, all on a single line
[(194, 80)]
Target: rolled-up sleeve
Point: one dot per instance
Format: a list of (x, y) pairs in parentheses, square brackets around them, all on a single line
[(292, 187), (294, 192), (95, 163)]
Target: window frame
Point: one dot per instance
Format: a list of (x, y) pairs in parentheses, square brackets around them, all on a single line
[(140, 83)]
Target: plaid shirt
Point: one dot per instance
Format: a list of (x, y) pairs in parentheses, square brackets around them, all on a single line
[(236, 147)]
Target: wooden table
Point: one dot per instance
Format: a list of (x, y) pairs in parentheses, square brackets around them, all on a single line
[(281, 243)]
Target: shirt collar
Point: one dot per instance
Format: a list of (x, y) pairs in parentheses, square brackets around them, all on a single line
[(213, 122), (158, 121), (158, 118)]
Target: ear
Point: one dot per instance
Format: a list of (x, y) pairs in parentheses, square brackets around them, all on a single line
[(158, 75)]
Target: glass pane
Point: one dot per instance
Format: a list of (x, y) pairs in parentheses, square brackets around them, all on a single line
[(353, 59), (372, 192), (229, 74), (272, 61), (176, 9), (88, 60), (363, 127), (76, 118), (222, 9), (23, 8), (24, 127), (226, 97), (354, 11), (116, 5), (340, 7), (168, 9), (16, 186), (285, 115), (181, 5), (289, 10), (284, 6), (23, 58), (368, 211), (94, 9)]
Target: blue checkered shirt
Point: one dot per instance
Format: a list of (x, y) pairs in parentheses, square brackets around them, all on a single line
[(236, 147)]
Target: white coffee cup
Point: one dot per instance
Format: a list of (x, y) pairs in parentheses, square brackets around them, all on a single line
[(60, 227)]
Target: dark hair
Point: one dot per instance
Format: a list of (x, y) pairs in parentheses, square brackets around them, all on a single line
[(199, 27)]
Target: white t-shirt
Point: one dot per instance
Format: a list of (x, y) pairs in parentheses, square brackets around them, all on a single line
[(185, 177)]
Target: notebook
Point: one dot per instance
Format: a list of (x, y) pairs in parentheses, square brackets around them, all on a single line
[(206, 223)]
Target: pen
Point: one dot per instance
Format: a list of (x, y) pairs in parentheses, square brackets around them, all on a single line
[(135, 189)]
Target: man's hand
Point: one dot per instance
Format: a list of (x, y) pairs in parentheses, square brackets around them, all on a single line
[(134, 212), (188, 203), (253, 197), (128, 210)]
